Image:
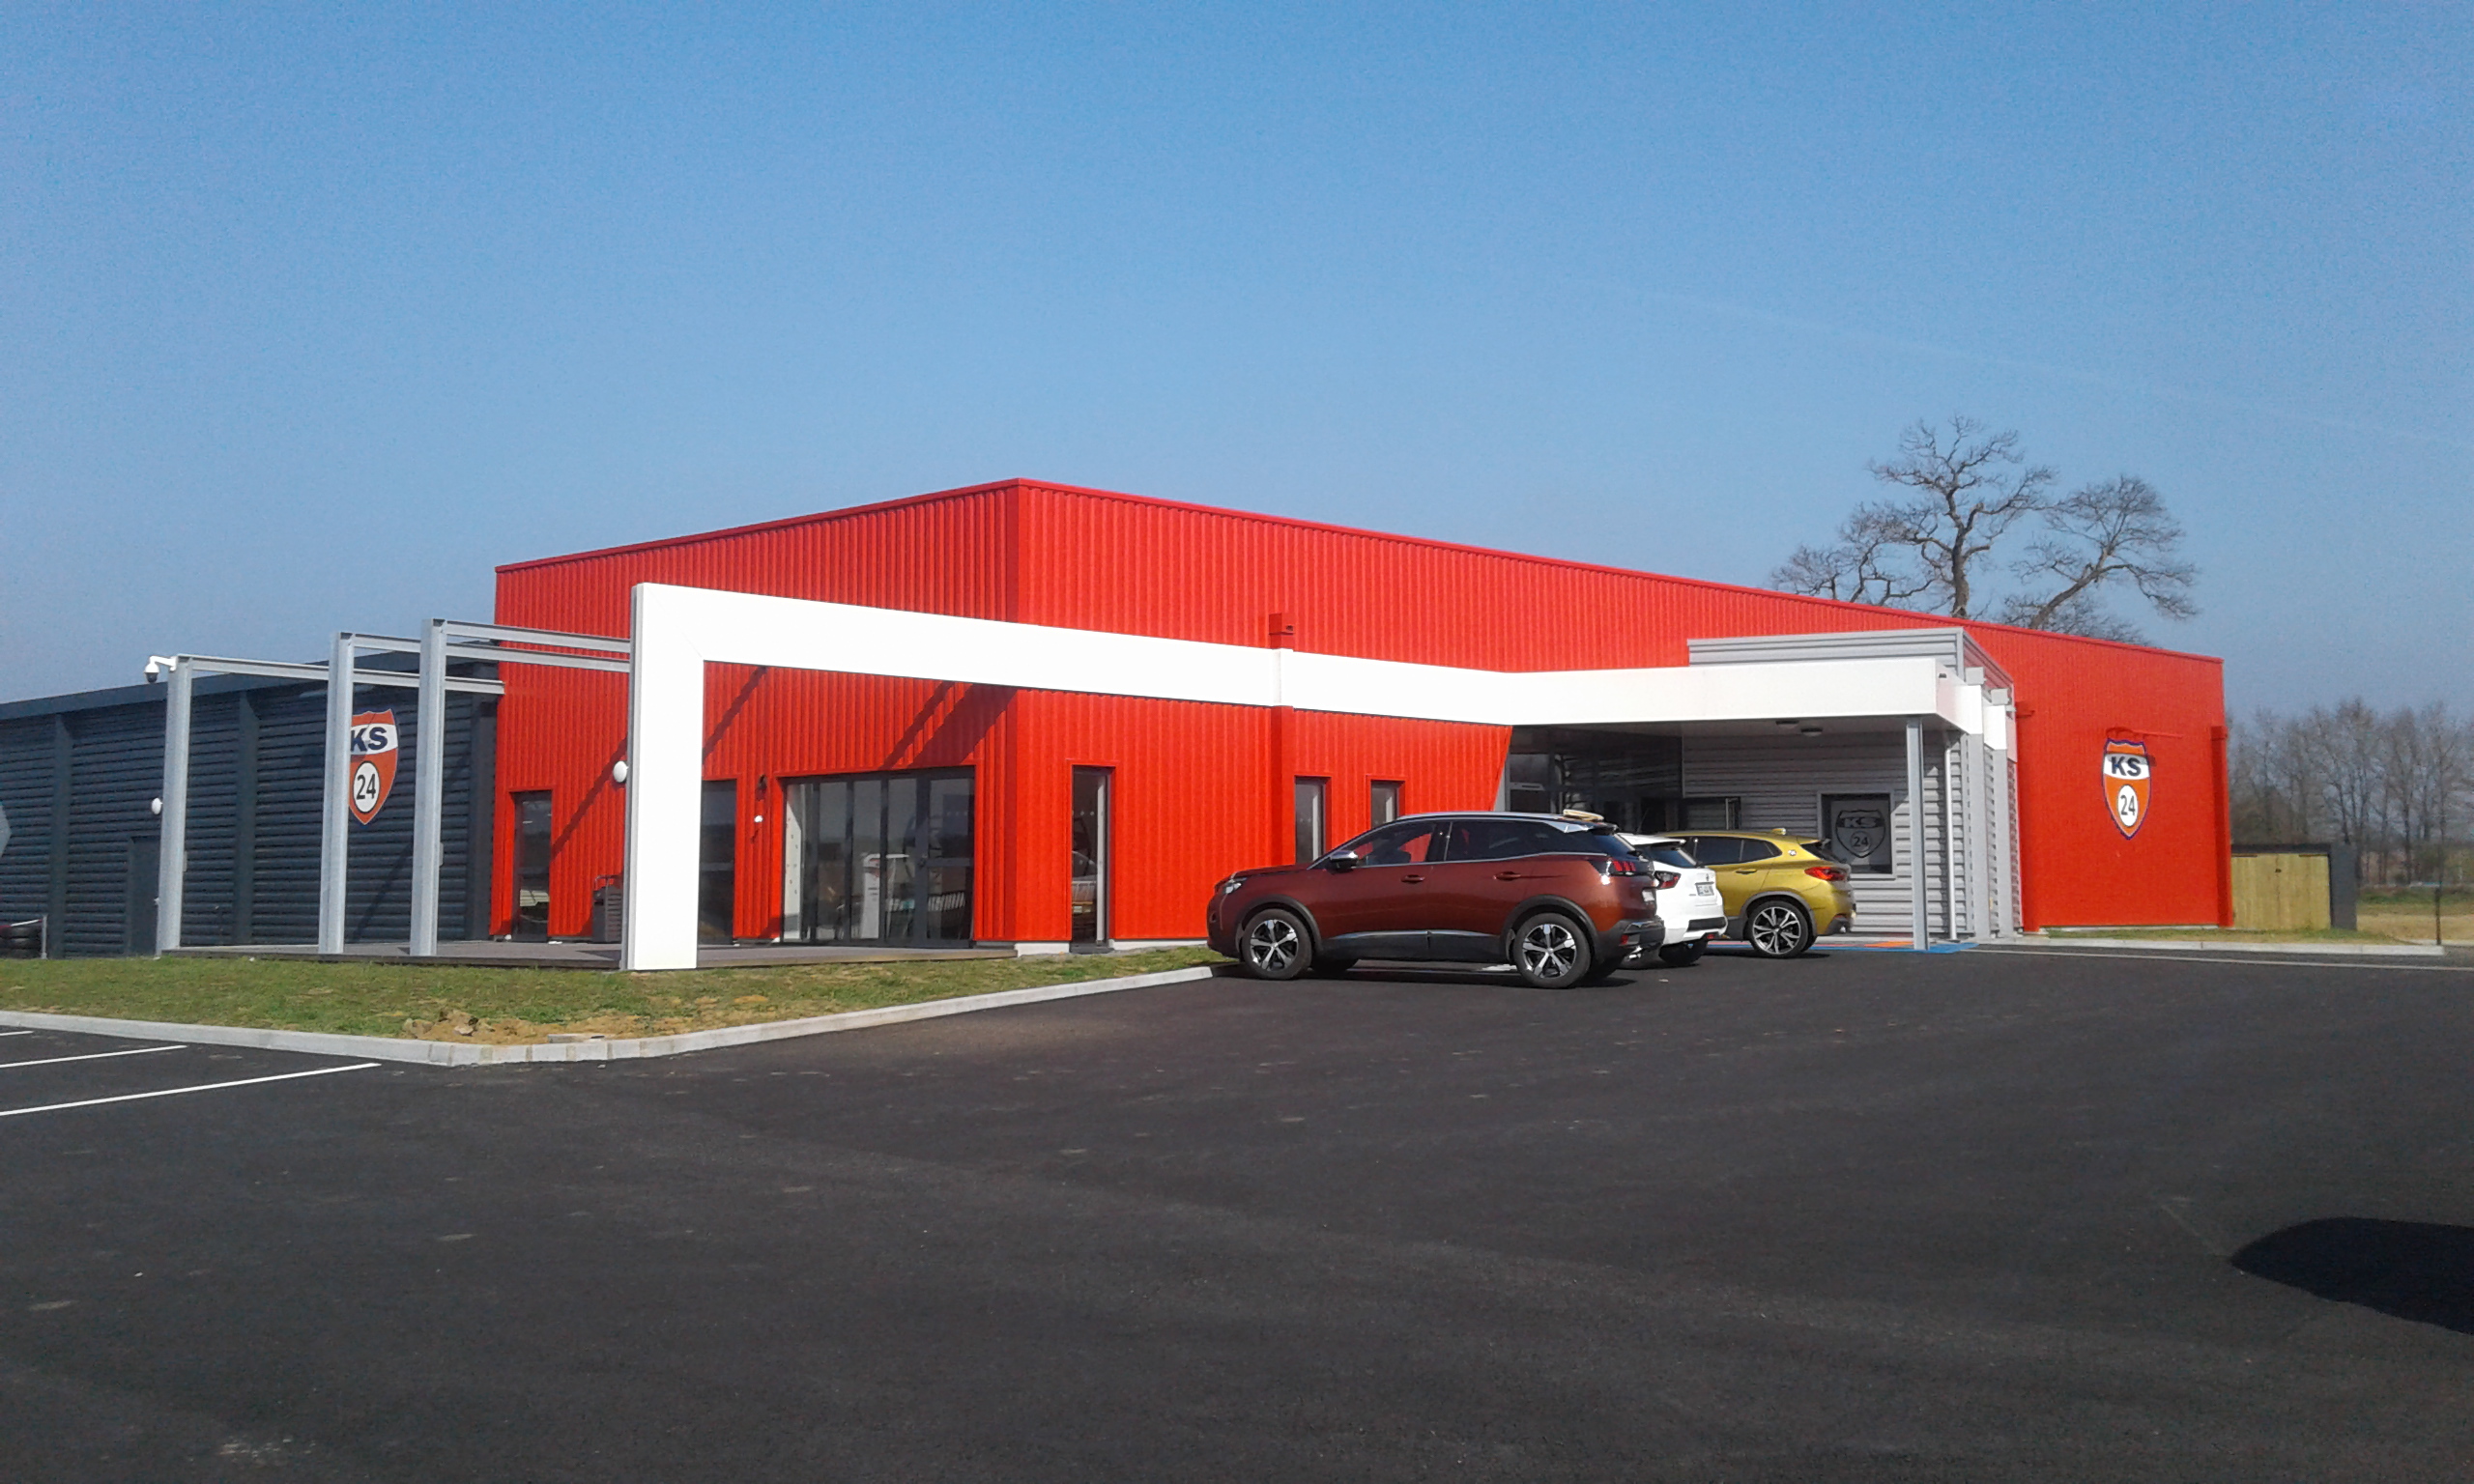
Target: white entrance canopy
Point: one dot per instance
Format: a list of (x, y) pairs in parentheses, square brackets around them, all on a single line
[(678, 630)]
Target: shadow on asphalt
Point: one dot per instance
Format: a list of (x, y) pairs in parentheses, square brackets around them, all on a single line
[(2419, 1270)]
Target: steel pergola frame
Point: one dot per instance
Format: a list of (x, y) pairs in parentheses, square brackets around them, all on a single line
[(442, 641)]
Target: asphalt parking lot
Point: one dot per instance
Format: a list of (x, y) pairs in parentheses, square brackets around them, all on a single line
[(1858, 1216)]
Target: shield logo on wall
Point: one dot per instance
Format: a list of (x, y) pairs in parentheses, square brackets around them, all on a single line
[(2127, 775), (374, 741)]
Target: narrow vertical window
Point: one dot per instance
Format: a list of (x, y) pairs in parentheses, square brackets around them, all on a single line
[(1090, 864), (1386, 802), (532, 868), (1310, 818), (717, 864)]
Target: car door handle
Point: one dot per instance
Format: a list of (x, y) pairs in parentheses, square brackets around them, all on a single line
[(1748, 871), (1511, 875), (1413, 879)]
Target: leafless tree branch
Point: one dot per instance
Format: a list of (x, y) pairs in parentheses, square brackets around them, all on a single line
[(2104, 534), (1972, 487), (1866, 563)]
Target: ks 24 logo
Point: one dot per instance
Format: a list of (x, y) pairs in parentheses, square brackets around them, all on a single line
[(374, 740), (2128, 772)]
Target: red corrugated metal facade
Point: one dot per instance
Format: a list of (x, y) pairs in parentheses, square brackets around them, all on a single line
[(1200, 789)]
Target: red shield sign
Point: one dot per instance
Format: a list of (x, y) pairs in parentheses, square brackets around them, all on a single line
[(373, 763), (2127, 775)]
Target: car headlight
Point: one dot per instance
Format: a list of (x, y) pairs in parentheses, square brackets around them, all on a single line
[(1231, 884)]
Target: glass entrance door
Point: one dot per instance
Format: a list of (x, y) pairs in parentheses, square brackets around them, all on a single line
[(878, 858)]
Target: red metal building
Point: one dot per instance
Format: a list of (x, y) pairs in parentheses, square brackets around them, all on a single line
[(1195, 789)]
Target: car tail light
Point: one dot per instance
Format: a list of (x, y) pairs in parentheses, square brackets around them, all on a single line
[(1666, 880), (1615, 865), (1826, 872)]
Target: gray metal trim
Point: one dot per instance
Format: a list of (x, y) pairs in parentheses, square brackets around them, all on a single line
[(171, 861), (1953, 646), (334, 837), (429, 785), (506, 634), (1920, 928), (490, 654)]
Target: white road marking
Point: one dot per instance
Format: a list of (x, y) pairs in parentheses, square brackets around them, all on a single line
[(16, 1033), (174, 1092), (91, 1056), (2382, 966)]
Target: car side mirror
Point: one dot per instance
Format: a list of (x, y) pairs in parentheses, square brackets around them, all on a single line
[(1340, 860)]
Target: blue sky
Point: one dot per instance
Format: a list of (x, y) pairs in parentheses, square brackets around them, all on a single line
[(309, 317)]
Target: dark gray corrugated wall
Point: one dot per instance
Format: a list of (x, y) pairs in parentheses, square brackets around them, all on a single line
[(256, 831)]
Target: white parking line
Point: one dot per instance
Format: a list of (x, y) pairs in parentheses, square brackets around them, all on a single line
[(16, 1033), (91, 1056), (174, 1092), (2382, 966)]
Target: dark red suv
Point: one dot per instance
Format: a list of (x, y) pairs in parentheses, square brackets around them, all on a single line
[(1562, 900)]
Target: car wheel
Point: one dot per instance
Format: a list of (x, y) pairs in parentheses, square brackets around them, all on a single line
[(1274, 946), (1550, 953), (1779, 929), (1682, 956), (1329, 967)]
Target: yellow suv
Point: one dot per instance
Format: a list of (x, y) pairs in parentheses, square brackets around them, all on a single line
[(1780, 890)]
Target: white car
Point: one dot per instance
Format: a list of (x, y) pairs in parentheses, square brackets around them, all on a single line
[(1691, 907)]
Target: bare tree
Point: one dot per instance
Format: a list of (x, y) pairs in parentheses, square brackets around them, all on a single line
[(2398, 785), (1970, 486), (2108, 534), (1866, 564), (1969, 492)]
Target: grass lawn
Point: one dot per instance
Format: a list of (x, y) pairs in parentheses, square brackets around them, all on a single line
[(520, 1004), (2408, 914)]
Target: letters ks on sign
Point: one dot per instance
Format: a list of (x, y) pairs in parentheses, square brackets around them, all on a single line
[(2128, 772), (374, 740)]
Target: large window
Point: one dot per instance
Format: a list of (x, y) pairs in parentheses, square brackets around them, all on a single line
[(1716, 812), (878, 858)]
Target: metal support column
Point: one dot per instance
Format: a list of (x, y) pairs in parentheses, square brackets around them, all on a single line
[(172, 850), (429, 789), (334, 837), (1915, 830), (1976, 767)]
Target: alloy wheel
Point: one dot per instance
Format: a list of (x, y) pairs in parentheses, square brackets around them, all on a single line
[(1550, 952), (1273, 946), (1777, 930)]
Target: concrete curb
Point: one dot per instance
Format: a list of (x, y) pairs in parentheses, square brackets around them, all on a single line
[(2306, 949), (444, 1053)]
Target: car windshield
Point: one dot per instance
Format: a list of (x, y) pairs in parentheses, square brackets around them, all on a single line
[(1831, 850)]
